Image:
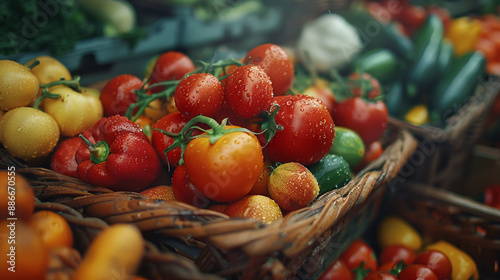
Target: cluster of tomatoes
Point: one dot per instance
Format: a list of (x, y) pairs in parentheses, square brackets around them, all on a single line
[(399, 253), (221, 128)]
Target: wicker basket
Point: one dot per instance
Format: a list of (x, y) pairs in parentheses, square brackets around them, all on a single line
[(185, 242), (443, 215), (444, 153)]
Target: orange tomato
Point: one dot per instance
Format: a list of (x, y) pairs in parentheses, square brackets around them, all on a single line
[(493, 67), (16, 195), (145, 123), (488, 48), (53, 229), (22, 250), (261, 186), (495, 38)]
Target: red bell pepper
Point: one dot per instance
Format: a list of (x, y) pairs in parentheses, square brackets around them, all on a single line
[(116, 154), (63, 159)]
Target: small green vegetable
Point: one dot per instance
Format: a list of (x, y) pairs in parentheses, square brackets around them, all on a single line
[(349, 145), (331, 172)]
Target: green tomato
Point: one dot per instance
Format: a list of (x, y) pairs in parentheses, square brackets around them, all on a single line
[(349, 145)]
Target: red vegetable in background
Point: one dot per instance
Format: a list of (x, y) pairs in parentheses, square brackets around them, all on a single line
[(116, 154), (338, 270), (397, 253), (360, 253), (417, 271), (435, 261)]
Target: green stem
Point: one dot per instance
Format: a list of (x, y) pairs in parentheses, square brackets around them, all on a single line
[(45, 94), (35, 63), (143, 100), (99, 151), (73, 84), (215, 132)]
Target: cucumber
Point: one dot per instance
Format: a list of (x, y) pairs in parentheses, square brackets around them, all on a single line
[(382, 64), (377, 35), (457, 84), (331, 172), (427, 44)]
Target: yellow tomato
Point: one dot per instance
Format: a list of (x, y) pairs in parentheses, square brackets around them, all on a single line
[(74, 111), (28, 133), (47, 71), (18, 86), (394, 230)]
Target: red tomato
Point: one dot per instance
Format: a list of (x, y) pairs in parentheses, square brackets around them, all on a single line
[(417, 272), (173, 123), (397, 253), (367, 118), (324, 94), (199, 94), (185, 191), (380, 275), (117, 94), (436, 261), (308, 130), (367, 87), (338, 270), (372, 152), (360, 252), (227, 169), (274, 60), (170, 66), (379, 12), (487, 48), (63, 159), (248, 91), (413, 17), (387, 266)]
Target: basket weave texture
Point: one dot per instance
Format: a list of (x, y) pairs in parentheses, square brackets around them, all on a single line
[(184, 242), (445, 152), (443, 215)]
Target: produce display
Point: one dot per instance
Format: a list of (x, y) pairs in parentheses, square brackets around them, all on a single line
[(258, 137), (400, 253)]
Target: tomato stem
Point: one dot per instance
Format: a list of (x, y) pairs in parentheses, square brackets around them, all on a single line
[(215, 132), (73, 84), (143, 99), (269, 125), (35, 63), (99, 151)]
